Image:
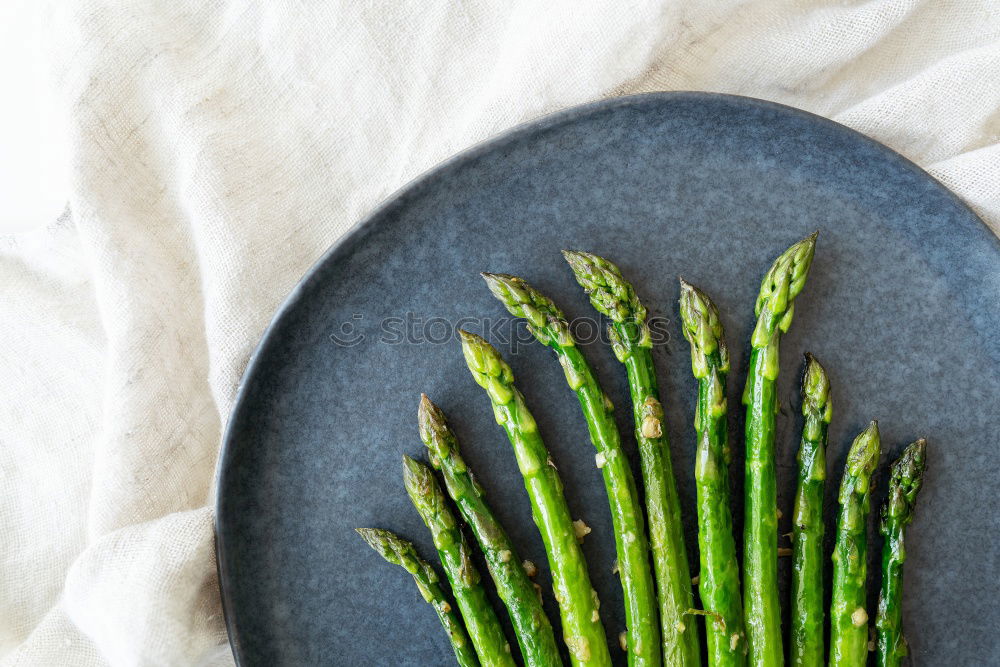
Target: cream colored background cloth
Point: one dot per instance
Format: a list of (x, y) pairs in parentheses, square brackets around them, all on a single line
[(218, 149)]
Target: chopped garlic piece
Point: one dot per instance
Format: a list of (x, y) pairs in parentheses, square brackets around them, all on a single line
[(581, 529), (529, 568), (505, 556), (623, 640), (579, 647), (859, 617), (651, 427)]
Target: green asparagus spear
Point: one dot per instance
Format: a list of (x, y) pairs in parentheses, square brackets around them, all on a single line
[(906, 478), (774, 309), (531, 625), (848, 618), (456, 559), (807, 534), (400, 552), (719, 579), (578, 602), (548, 325), (614, 296)]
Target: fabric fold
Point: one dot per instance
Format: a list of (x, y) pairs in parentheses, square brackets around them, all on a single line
[(218, 149)]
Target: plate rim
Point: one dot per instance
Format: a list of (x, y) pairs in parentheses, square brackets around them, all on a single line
[(365, 225)]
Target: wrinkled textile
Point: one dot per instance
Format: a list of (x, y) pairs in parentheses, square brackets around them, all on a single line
[(218, 148)]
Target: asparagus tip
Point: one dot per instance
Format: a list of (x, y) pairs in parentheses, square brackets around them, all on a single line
[(584, 264), (414, 474), (468, 336), (815, 389), (428, 416), (910, 466), (905, 479), (382, 541), (913, 459), (488, 368), (585, 267), (694, 302), (610, 293), (475, 348), (368, 535), (420, 485), (786, 278), (521, 299), (702, 328), (501, 284), (433, 428), (863, 456)]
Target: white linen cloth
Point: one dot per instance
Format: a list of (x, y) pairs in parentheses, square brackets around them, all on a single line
[(218, 148)]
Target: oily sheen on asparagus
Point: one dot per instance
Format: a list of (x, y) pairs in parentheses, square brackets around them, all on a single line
[(612, 295), (774, 309), (549, 326), (453, 549), (848, 616), (808, 612), (905, 479), (719, 577), (398, 551), (531, 625), (578, 602)]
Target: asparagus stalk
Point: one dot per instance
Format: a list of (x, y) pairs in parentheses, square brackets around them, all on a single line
[(531, 625), (578, 602), (848, 618), (547, 323), (807, 534), (719, 578), (773, 309), (456, 559), (615, 297), (906, 478), (400, 552)]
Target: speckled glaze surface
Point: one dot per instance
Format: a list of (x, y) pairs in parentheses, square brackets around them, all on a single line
[(902, 307)]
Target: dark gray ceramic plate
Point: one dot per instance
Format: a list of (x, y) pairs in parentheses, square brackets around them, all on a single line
[(901, 306)]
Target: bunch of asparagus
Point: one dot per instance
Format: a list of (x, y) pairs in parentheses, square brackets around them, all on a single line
[(741, 621)]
